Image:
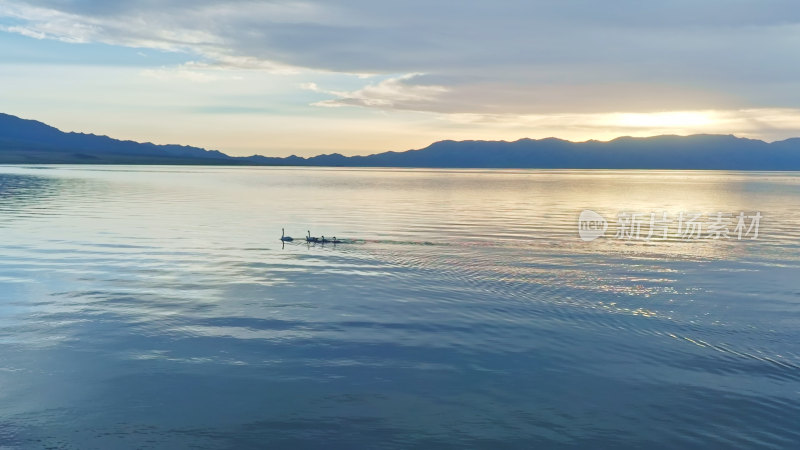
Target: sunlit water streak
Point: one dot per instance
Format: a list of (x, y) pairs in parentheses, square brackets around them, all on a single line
[(155, 307)]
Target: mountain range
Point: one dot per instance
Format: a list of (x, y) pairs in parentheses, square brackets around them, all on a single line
[(30, 142)]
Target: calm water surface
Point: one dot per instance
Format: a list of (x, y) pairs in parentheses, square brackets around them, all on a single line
[(156, 308)]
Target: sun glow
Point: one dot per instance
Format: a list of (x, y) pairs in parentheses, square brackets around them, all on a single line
[(673, 119)]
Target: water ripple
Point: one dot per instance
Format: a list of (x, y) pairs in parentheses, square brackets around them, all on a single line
[(155, 307)]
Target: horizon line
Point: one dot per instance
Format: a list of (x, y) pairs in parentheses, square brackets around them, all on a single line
[(376, 152)]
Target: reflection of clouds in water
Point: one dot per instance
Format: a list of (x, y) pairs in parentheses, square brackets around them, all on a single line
[(164, 300)]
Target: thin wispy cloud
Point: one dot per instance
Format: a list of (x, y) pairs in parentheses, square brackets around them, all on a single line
[(391, 93), (748, 122)]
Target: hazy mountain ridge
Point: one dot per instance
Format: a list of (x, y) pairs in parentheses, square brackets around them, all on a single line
[(658, 152), (29, 141), (22, 139)]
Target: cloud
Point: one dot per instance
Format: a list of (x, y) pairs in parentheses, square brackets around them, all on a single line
[(186, 72), (391, 93), (483, 57)]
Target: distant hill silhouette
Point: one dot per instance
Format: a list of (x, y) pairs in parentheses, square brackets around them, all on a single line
[(28, 141)]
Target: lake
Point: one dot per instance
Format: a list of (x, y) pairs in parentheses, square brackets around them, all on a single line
[(156, 307)]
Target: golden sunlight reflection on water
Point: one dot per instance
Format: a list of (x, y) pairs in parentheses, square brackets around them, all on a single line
[(156, 306)]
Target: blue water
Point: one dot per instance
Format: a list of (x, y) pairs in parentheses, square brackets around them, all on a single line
[(156, 308)]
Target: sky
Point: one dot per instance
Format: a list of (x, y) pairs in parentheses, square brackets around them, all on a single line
[(364, 76)]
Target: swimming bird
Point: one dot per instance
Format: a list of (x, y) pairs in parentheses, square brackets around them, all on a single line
[(336, 241), (323, 240), (309, 238), (285, 238)]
